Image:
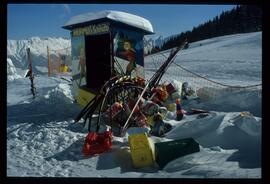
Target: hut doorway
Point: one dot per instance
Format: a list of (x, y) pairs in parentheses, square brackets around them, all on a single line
[(98, 64)]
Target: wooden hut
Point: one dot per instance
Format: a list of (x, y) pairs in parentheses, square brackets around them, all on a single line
[(105, 44)]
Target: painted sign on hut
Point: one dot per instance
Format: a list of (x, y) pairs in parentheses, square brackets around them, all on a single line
[(105, 44)]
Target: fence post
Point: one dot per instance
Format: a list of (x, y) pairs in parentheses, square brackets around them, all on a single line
[(49, 62), (59, 63)]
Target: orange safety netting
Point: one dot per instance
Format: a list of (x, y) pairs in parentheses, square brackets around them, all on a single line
[(59, 61)]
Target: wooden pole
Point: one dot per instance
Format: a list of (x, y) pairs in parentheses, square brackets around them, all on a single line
[(49, 62), (59, 63), (31, 76)]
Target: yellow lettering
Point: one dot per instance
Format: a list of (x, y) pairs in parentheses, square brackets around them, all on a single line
[(91, 29)]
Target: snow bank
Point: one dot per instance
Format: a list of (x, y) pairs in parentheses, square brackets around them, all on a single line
[(53, 101), (232, 101), (204, 165), (216, 128)]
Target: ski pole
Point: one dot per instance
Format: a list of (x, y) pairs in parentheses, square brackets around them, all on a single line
[(125, 125)]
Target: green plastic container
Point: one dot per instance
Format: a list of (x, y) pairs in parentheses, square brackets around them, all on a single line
[(168, 151)]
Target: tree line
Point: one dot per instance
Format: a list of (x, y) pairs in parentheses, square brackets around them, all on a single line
[(241, 19)]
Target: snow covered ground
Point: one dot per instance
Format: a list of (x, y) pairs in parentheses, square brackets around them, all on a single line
[(42, 139)]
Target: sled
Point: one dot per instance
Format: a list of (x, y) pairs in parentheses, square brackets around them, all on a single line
[(97, 143), (196, 111), (170, 150)]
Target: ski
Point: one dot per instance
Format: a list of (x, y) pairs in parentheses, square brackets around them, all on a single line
[(30, 73), (131, 113)]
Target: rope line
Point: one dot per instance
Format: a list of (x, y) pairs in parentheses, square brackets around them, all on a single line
[(204, 87), (225, 85), (59, 61)]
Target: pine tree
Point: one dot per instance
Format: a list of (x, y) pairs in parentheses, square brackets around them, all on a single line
[(241, 19)]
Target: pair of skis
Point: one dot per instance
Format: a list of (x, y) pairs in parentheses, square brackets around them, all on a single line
[(93, 104), (30, 73)]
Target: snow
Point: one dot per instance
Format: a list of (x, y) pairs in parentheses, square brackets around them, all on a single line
[(239, 50), (123, 17), (232, 59), (42, 139)]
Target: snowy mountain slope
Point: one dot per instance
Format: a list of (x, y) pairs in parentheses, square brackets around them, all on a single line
[(11, 71), (151, 41), (232, 59), (237, 57), (42, 139), (16, 52)]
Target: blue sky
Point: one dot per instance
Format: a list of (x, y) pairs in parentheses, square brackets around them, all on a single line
[(43, 20)]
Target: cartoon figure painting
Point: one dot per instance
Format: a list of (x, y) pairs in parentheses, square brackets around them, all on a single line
[(129, 54), (128, 50)]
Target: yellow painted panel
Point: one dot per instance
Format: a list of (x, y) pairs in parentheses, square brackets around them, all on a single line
[(141, 153), (142, 157), (84, 97), (138, 141)]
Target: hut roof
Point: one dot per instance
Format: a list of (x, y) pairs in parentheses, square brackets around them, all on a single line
[(126, 18)]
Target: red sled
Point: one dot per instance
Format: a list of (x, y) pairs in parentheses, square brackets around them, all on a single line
[(97, 143)]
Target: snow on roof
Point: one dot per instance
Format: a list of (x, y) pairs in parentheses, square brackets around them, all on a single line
[(126, 18)]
